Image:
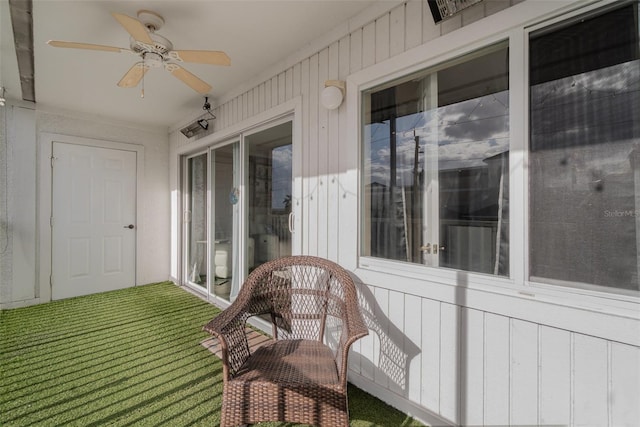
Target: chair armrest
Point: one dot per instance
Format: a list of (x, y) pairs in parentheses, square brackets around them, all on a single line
[(229, 328), (353, 328)]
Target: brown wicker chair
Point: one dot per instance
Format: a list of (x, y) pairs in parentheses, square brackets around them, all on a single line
[(300, 377)]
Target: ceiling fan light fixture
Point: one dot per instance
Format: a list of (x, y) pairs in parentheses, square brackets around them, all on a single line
[(153, 60)]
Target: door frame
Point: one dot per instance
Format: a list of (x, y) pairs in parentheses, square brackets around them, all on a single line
[(184, 204), (45, 182), (288, 111)]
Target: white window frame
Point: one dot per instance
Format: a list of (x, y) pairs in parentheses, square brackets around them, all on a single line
[(593, 312)]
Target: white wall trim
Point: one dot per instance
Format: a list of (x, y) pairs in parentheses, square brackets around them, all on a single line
[(44, 180)]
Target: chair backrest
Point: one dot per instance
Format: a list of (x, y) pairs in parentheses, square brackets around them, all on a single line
[(305, 296)]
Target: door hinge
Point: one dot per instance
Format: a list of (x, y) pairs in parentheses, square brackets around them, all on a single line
[(51, 221), (51, 280), (53, 159)]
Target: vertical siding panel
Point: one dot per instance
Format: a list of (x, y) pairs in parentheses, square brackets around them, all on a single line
[(267, 94), (413, 24), (555, 378), (430, 30), (282, 88), (449, 361), (496, 370), (256, 100), (245, 105), (274, 91), (471, 367), (234, 110), (381, 337), (225, 115), (355, 357), (367, 343), (369, 45), (430, 389), (413, 344), (344, 160), (355, 46), (524, 373), (382, 38), (250, 103), (288, 84), (396, 30), (304, 146), (323, 159), (451, 24), (333, 147), (473, 14), (263, 96), (398, 380), (222, 115), (296, 80), (312, 167), (495, 6), (229, 113), (590, 361), (624, 396)]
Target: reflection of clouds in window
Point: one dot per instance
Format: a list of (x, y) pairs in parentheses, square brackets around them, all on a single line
[(609, 81), (468, 133), (594, 107), (281, 158)]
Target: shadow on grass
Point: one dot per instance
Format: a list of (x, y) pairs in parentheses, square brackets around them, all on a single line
[(366, 411)]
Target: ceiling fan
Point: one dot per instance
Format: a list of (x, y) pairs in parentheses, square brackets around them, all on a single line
[(155, 50)]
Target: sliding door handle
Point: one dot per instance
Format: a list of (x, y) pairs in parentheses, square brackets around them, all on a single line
[(291, 219)]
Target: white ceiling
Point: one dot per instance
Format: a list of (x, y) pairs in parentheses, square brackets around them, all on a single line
[(255, 34)]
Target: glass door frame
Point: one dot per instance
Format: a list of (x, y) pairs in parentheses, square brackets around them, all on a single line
[(186, 220)]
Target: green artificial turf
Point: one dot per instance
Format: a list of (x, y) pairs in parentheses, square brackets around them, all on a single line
[(124, 358)]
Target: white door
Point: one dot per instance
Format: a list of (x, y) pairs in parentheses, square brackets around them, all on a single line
[(93, 219)]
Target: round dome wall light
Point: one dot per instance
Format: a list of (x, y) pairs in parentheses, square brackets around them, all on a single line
[(332, 94)]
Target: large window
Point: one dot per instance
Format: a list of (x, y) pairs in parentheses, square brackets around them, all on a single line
[(584, 180), (436, 166)]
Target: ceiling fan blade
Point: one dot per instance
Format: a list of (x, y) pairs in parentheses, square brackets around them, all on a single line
[(189, 79), (201, 56), (134, 27), (134, 75), (76, 45)]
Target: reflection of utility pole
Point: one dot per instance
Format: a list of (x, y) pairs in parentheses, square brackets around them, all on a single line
[(416, 254), (393, 209)]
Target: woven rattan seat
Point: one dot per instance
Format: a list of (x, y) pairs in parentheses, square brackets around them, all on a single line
[(301, 377)]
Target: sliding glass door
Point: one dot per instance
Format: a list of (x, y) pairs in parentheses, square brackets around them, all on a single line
[(269, 178), (238, 208)]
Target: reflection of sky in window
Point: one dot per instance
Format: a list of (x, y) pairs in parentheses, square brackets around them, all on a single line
[(588, 108), (466, 133), (280, 175), (583, 116)]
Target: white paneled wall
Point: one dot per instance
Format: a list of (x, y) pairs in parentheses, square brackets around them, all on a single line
[(446, 363), (477, 368)]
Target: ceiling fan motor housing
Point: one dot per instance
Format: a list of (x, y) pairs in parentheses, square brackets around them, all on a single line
[(160, 46)]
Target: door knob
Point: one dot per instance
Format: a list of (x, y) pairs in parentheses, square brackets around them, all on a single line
[(130, 226)]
